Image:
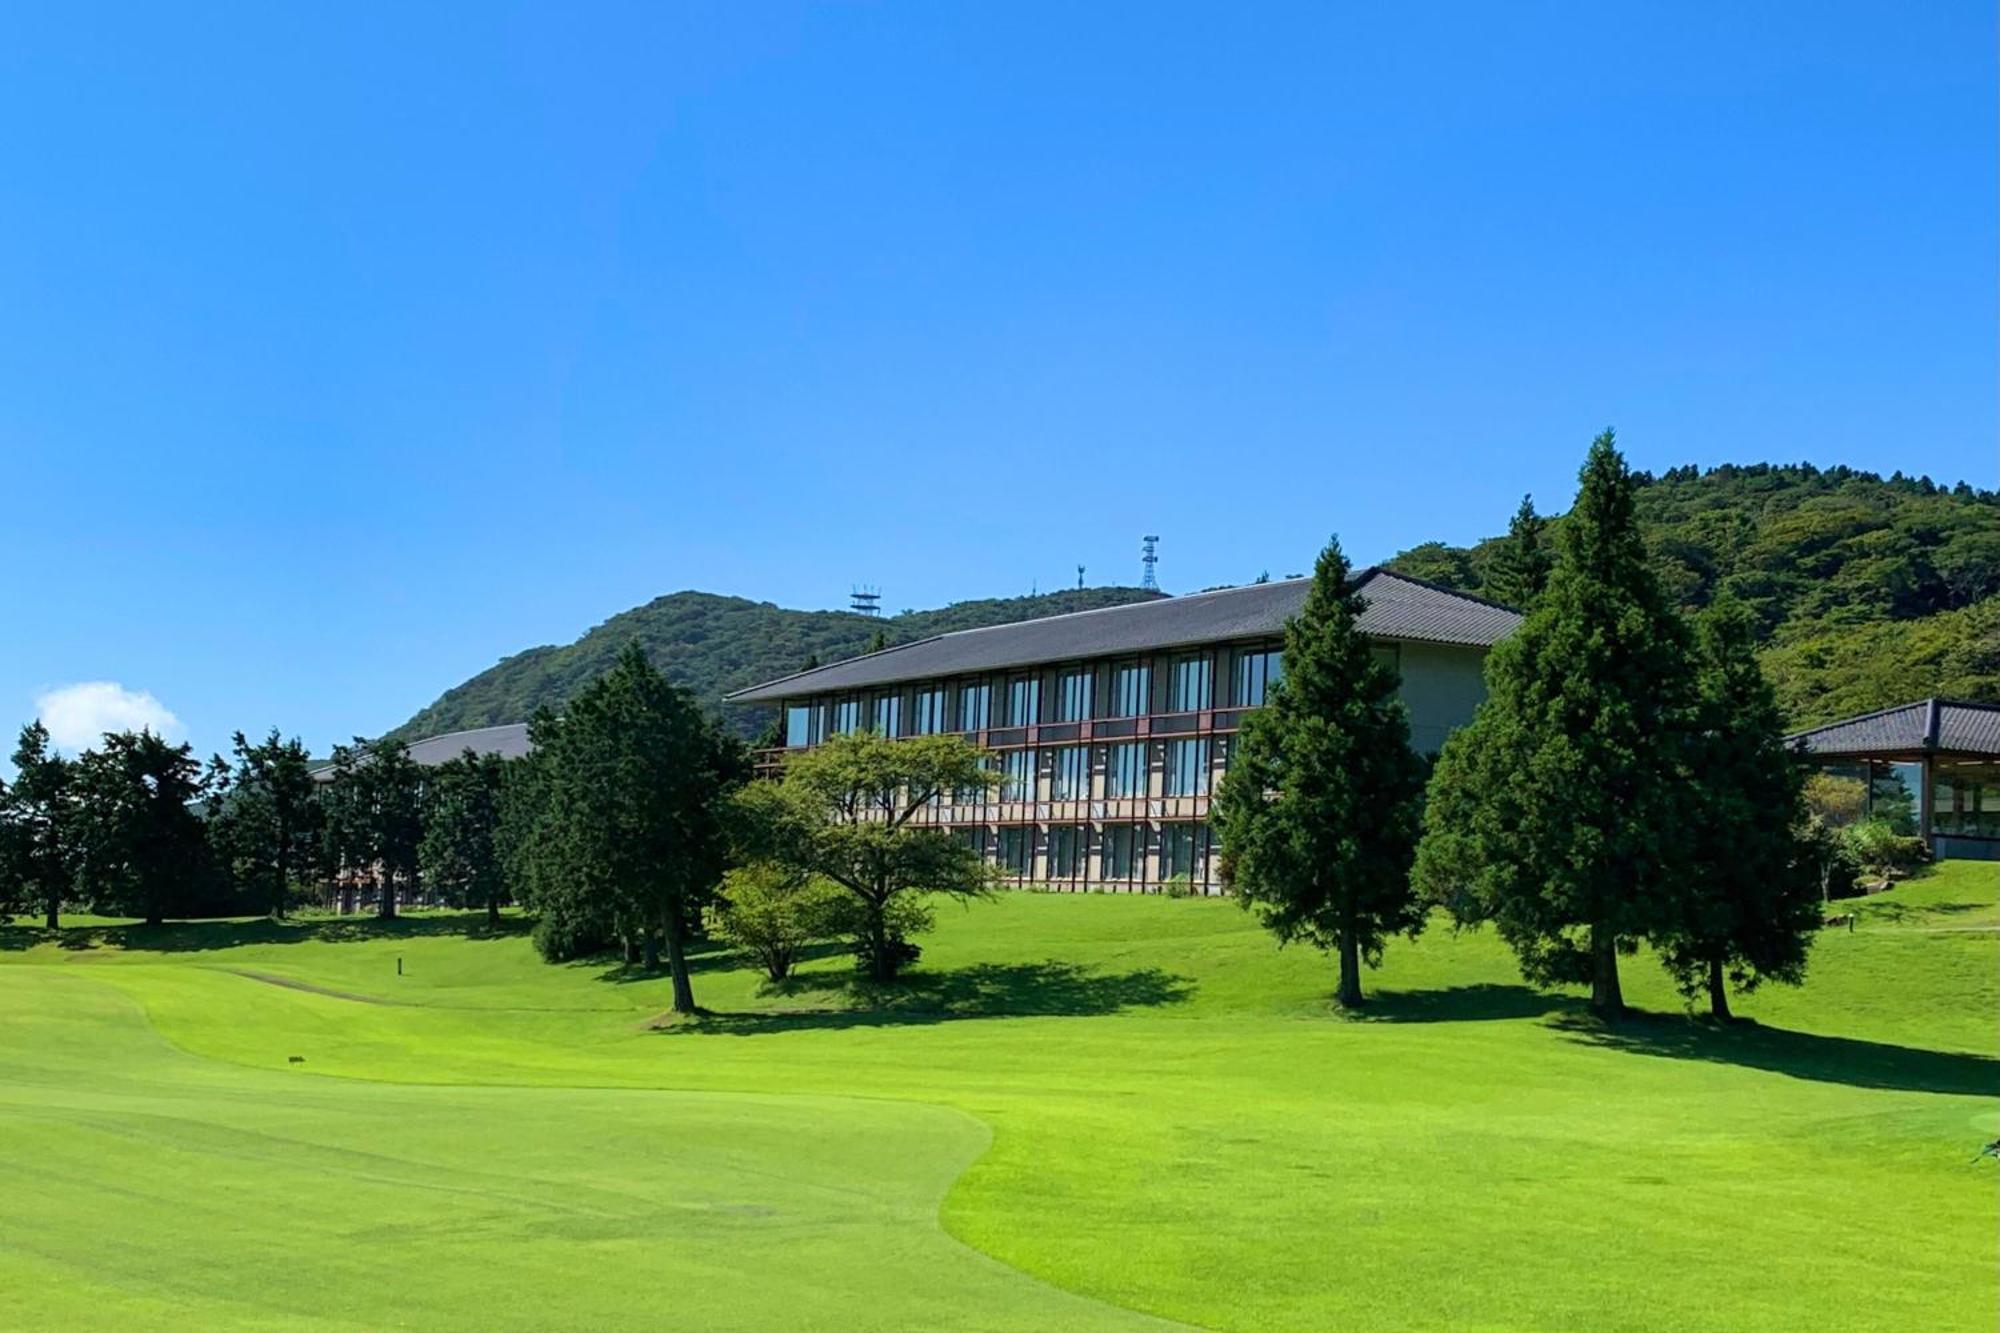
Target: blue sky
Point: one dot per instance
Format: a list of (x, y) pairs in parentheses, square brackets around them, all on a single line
[(349, 349)]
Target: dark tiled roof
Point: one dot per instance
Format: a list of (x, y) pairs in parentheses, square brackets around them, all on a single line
[(1950, 726), (509, 741), (1399, 607)]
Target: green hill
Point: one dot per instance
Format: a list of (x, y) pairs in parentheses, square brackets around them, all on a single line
[(1871, 591), (713, 645)]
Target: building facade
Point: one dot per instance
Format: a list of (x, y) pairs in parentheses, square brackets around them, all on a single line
[(1929, 769), (1111, 728)]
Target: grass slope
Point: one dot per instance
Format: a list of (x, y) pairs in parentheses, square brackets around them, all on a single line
[(1177, 1126)]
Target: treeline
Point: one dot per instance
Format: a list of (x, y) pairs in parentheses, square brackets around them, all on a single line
[(631, 827), (1863, 591), (136, 827), (1625, 781)]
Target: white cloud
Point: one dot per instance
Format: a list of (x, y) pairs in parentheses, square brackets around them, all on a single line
[(78, 715)]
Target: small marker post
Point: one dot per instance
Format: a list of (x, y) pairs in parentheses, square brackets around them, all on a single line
[(399, 965)]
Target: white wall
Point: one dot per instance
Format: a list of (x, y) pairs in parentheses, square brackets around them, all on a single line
[(1442, 686)]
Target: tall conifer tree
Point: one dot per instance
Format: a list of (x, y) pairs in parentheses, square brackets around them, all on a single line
[(375, 815), (1749, 907), (631, 784), (1561, 813), (268, 819), (1520, 566), (38, 817), (1318, 812)]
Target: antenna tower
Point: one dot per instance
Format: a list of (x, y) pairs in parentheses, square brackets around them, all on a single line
[(1149, 555), (865, 599)]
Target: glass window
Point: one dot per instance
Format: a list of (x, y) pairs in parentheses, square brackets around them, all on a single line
[(798, 725), (1187, 685), (1187, 768), (975, 704), (1017, 850), (846, 716), (1893, 795), (1024, 700), (973, 839), (1069, 779), (1019, 767), (1125, 769), (1119, 858), (888, 714), (1254, 675), (1131, 689), (1180, 851), (927, 718), (1066, 844), (1073, 694), (1965, 799)]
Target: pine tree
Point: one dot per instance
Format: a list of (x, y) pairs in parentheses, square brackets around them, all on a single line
[(375, 816), (268, 819), (142, 849), (1561, 813), (631, 785), (36, 820), (1748, 908), (1520, 566), (460, 854), (1318, 812)]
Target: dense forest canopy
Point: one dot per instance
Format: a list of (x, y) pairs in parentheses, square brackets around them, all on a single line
[(1868, 591), (712, 645)]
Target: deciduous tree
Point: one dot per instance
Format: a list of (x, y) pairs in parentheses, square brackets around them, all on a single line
[(1318, 814), (846, 812)]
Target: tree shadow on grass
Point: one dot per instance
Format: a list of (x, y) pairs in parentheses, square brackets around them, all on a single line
[(1900, 914), (205, 936), (1482, 1002), (703, 955), (1861, 1064), (989, 990)]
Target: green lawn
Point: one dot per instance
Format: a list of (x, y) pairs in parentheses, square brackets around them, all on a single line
[(1081, 1111)]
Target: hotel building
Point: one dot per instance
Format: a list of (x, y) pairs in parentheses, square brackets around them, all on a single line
[(1112, 727)]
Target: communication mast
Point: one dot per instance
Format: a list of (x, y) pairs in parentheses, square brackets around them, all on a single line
[(1149, 555), (866, 599)]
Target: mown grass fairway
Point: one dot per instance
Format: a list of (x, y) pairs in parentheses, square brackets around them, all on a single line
[(1080, 1112)]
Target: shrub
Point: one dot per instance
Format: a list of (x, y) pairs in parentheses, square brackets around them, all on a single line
[(1876, 846), (771, 915), (1825, 853), (902, 917), (1177, 886)]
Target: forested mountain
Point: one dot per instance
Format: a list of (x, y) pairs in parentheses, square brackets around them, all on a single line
[(713, 645), (1869, 591)]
